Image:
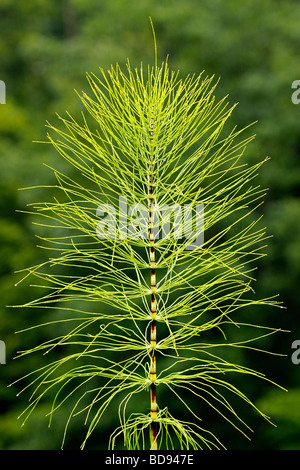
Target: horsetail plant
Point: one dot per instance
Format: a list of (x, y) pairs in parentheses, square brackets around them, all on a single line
[(154, 243)]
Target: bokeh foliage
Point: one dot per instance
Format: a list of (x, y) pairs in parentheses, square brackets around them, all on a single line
[(46, 48)]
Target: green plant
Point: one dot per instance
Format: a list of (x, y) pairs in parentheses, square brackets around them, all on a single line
[(149, 313)]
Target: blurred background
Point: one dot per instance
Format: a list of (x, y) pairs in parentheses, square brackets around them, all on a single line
[(46, 47)]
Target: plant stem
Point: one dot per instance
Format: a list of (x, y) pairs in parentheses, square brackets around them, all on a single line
[(153, 339)]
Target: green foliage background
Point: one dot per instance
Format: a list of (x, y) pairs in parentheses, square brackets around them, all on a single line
[(46, 47)]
